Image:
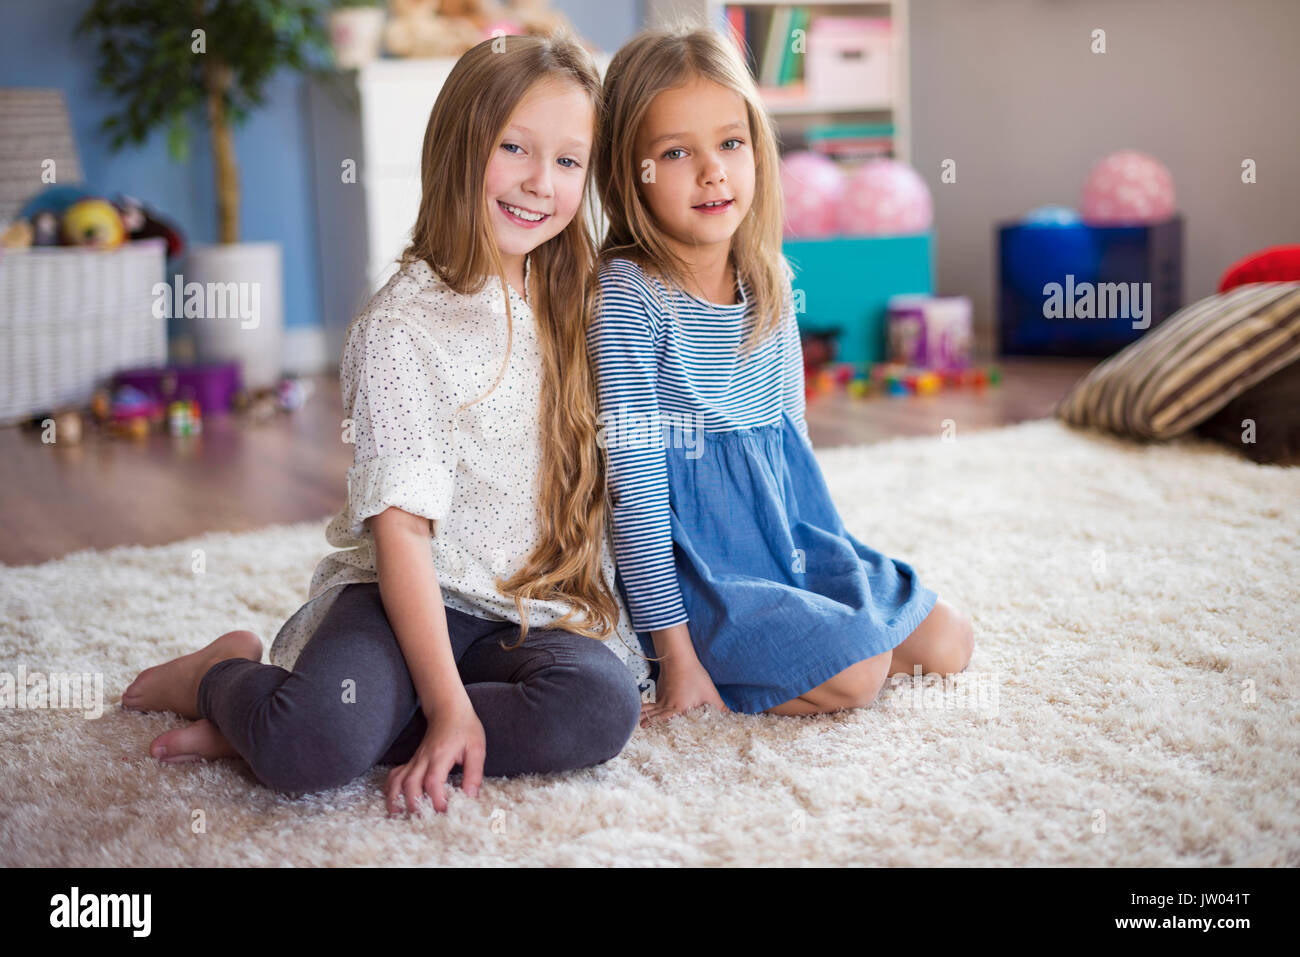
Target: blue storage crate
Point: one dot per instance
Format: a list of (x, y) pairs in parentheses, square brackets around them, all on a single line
[(847, 282), (1033, 255)]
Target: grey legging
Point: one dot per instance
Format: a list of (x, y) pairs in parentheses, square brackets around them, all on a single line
[(559, 701)]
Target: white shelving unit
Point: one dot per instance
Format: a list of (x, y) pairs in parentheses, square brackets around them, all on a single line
[(792, 117)]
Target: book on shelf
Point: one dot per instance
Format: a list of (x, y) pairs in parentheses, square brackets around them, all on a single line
[(765, 37), (851, 142), (774, 42)]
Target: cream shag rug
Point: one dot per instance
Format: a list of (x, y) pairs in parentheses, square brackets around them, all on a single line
[(1131, 701)]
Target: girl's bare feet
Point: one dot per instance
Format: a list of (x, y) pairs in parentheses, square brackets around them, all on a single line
[(198, 740), (174, 686)]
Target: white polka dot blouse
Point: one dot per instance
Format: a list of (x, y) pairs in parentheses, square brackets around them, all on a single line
[(414, 354)]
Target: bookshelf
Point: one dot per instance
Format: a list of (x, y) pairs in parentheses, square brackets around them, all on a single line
[(797, 115)]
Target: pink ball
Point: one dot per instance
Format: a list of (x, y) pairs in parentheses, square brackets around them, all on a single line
[(1127, 187), (884, 196), (813, 186)]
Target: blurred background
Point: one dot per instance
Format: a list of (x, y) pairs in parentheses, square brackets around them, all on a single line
[(951, 156)]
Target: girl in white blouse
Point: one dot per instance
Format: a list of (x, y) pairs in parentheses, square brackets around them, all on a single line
[(476, 501)]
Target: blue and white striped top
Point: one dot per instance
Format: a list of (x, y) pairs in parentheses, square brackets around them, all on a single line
[(667, 358)]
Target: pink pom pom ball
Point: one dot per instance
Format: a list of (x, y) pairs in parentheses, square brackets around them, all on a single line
[(813, 186), (1127, 188), (883, 197)]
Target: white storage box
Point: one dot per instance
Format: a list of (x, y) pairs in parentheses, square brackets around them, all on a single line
[(71, 317), (850, 62)]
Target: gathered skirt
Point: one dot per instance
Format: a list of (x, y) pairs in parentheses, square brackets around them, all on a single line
[(779, 595)]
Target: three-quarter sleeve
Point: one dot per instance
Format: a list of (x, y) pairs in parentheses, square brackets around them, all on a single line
[(621, 343), (793, 398), (400, 394)]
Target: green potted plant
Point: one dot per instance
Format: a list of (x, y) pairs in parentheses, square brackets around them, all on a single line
[(165, 60)]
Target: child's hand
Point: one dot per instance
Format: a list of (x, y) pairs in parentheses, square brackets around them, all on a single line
[(454, 736), (681, 687)]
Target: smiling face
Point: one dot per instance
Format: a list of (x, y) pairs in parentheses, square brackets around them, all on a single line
[(534, 180), (699, 139)]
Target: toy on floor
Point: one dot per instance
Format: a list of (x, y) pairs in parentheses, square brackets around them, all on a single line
[(126, 412), (930, 332), (132, 412), (911, 380), (894, 379), (67, 426), (184, 418), (289, 395)]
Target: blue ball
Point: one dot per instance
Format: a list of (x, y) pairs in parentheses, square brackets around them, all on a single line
[(1037, 254), (1053, 215)]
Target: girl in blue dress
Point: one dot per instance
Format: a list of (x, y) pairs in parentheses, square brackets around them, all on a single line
[(737, 570)]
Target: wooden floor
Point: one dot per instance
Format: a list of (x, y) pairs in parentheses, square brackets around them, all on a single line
[(237, 475)]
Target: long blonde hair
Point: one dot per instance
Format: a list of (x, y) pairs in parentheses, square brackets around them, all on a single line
[(658, 60), (453, 235)]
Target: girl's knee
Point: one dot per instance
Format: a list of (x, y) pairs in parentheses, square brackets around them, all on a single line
[(315, 751), (857, 685), (289, 777), (955, 643), (604, 710), (618, 706)]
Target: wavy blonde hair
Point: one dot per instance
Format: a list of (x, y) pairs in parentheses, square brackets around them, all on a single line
[(662, 59), (453, 235)]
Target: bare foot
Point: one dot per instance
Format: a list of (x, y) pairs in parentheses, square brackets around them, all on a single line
[(174, 686), (200, 740)]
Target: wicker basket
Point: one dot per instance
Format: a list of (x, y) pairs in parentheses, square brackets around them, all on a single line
[(71, 317)]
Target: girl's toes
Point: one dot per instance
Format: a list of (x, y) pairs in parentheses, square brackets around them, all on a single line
[(198, 741), (182, 759), (171, 746)]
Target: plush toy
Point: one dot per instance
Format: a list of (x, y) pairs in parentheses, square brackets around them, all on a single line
[(17, 235), (67, 426), (45, 228), (132, 413), (536, 18), (428, 28), (54, 199), (93, 222), (141, 222)]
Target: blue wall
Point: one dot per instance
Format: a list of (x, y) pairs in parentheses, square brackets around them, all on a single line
[(37, 48)]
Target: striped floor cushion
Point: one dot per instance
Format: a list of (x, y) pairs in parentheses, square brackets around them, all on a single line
[(1191, 365)]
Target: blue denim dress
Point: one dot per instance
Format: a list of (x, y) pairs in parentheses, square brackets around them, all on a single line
[(780, 596)]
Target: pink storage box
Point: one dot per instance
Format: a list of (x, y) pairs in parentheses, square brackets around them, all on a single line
[(850, 61)]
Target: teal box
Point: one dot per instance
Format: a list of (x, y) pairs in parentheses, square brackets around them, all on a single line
[(847, 282)]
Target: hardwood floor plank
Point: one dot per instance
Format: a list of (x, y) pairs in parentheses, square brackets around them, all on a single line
[(238, 476)]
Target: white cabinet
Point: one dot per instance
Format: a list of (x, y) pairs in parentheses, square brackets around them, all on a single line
[(367, 128)]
